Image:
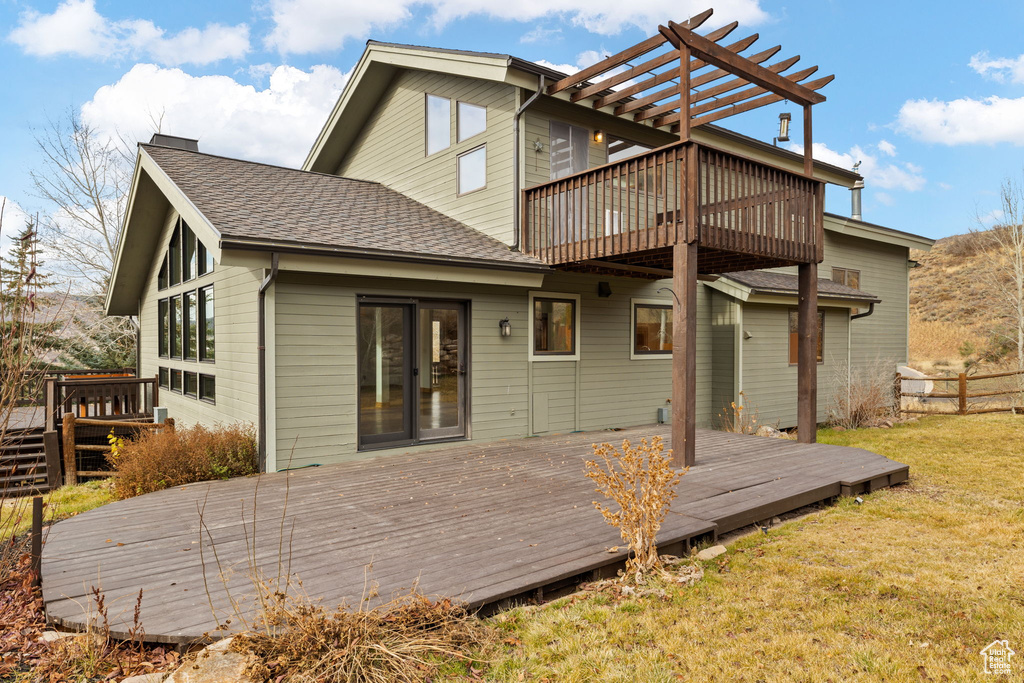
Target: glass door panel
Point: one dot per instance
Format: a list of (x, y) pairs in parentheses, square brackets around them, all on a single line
[(441, 370), (385, 374)]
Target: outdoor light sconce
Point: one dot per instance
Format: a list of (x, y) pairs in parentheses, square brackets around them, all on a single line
[(604, 289), (784, 119), (598, 136), (506, 328)]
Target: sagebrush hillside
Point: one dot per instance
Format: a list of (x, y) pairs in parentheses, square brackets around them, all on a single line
[(953, 306)]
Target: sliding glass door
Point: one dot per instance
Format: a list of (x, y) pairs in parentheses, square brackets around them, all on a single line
[(412, 371)]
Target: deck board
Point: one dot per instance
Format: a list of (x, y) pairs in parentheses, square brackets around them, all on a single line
[(479, 522)]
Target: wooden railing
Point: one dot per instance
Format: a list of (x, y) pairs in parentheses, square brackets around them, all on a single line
[(33, 386), (642, 203), (999, 392), (100, 398)]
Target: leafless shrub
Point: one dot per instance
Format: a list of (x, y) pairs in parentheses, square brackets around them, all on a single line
[(642, 483), (159, 460), (739, 417), (862, 397)]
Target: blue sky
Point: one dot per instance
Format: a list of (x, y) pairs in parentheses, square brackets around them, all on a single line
[(928, 95)]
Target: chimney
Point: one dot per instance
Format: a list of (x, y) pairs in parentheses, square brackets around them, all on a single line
[(187, 144), (855, 191)]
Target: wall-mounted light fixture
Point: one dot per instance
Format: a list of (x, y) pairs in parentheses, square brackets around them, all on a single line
[(784, 119), (604, 289), (506, 328), (598, 136)]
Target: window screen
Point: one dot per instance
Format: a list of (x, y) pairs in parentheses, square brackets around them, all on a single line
[(570, 146)]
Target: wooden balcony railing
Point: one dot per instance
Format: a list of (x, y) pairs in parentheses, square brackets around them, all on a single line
[(766, 215), (121, 397)]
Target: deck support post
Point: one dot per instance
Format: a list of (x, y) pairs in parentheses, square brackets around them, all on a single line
[(684, 354), (807, 354)]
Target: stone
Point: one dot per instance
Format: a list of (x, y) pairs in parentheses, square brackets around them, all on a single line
[(53, 636), (146, 678), (776, 520), (220, 646), (768, 431), (711, 553), (215, 667)]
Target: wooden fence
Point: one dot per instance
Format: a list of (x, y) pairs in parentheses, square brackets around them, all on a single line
[(998, 396), (73, 446), (32, 391)]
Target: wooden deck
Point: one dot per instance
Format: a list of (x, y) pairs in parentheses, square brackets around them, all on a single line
[(486, 523)]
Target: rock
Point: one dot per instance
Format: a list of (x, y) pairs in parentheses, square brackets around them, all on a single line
[(53, 636), (769, 431), (220, 645), (215, 667), (146, 678), (776, 520), (711, 553)]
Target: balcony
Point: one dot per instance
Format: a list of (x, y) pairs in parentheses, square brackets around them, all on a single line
[(623, 218)]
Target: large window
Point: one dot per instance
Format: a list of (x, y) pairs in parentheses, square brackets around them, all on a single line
[(190, 324), (439, 123), (473, 170), (794, 336), (471, 120), (174, 257), (175, 326), (188, 253), (207, 388), (555, 320), (570, 149), (164, 333), (206, 326), (652, 329)]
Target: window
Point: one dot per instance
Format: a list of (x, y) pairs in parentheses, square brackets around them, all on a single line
[(190, 324), (174, 258), (471, 120), (794, 336), (165, 378), (439, 123), (570, 149), (206, 328), (846, 276), (174, 328), (207, 388), (161, 279), (473, 170), (188, 253), (191, 384), (164, 328), (620, 148), (652, 329), (176, 381), (554, 326), (205, 260)]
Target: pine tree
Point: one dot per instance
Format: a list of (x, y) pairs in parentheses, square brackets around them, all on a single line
[(27, 322)]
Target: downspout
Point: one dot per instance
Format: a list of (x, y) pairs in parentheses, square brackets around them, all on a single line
[(871, 309), (261, 360), (516, 203)]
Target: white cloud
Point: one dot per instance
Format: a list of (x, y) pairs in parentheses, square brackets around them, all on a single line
[(540, 34), (304, 26), (1000, 69), (13, 222), (276, 125), (76, 28), (887, 148), (991, 218), (888, 176), (964, 121), (884, 198)]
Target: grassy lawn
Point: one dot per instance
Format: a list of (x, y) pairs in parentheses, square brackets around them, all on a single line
[(909, 586), (67, 501)]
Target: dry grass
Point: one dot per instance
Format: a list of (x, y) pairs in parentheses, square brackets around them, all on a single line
[(641, 481), (935, 346), (160, 460), (864, 397), (908, 586)]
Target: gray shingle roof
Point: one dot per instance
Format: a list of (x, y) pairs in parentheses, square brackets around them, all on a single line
[(249, 201), (765, 282)]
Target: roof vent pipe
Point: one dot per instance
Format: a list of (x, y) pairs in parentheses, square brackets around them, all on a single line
[(856, 212)]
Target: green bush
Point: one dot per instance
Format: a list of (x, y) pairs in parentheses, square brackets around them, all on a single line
[(160, 460)]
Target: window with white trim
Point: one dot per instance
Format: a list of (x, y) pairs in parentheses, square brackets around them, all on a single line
[(652, 329), (439, 123)]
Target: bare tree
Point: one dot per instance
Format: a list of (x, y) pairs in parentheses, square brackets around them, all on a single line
[(85, 178), (1005, 274)]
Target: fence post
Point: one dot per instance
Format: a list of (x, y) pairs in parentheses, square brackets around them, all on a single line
[(37, 540), (897, 393), (50, 403), (962, 393), (70, 462)]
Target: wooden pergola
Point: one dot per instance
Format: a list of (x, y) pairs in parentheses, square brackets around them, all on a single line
[(686, 80)]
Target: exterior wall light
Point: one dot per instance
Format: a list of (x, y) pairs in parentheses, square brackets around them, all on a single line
[(598, 136), (506, 328)]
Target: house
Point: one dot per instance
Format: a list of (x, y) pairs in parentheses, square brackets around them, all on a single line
[(479, 247)]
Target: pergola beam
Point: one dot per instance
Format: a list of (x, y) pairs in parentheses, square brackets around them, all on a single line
[(713, 53), (747, 106)]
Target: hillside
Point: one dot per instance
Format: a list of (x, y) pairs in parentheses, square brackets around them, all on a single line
[(951, 303)]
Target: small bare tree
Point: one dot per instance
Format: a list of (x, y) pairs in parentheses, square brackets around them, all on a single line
[(1005, 274)]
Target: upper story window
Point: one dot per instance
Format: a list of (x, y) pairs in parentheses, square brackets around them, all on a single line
[(846, 276), (472, 170), (794, 337), (570, 149), (439, 123), (186, 258), (472, 120)]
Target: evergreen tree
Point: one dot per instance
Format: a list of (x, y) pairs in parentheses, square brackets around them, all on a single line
[(28, 323)]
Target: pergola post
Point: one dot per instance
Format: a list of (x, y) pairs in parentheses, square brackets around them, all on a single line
[(684, 354), (807, 354)]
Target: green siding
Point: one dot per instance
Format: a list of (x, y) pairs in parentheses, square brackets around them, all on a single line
[(391, 149), (725, 312)]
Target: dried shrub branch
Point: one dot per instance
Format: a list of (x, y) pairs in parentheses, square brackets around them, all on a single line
[(641, 481), (863, 396)]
